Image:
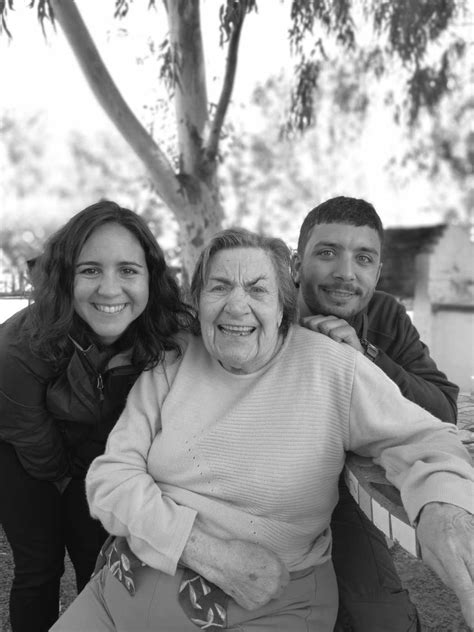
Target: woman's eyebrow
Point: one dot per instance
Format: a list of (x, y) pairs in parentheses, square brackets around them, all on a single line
[(219, 279), (98, 263), (262, 277), (87, 263)]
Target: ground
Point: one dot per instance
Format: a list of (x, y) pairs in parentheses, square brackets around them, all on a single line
[(438, 607)]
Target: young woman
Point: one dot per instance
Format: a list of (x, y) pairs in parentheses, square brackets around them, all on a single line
[(105, 308)]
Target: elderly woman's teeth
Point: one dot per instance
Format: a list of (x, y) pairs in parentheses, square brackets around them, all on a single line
[(236, 330)]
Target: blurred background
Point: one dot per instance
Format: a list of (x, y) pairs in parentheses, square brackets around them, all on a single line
[(365, 98), (362, 105)]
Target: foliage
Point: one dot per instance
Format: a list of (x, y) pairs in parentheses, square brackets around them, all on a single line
[(402, 30), (374, 36), (440, 148), (44, 182), (270, 180)]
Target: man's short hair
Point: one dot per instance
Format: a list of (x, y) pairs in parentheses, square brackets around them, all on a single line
[(340, 210)]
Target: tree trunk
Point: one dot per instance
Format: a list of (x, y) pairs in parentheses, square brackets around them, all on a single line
[(203, 215), (192, 194)]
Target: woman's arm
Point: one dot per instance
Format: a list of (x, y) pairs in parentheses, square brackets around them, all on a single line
[(25, 422), (425, 459), (121, 492), (422, 456)]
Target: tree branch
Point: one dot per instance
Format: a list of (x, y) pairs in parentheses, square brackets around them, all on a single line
[(190, 81), (109, 97), (227, 87)]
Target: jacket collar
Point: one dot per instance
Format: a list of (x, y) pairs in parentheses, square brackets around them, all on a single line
[(108, 357), (360, 322)]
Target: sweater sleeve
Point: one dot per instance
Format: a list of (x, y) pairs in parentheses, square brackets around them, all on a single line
[(423, 457), (408, 363), (25, 422), (121, 492)]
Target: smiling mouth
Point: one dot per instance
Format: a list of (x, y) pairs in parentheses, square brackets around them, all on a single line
[(340, 294), (236, 330), (110, 309)]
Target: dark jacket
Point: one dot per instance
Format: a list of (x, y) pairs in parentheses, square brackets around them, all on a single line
[(404, 357), (58, 420)]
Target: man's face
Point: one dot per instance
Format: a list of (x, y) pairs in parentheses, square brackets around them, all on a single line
[(338, 270)]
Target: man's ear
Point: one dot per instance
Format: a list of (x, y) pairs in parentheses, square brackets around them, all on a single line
[(295, 268)]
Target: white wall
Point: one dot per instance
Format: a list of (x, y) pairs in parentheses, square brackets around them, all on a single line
[(451, 274), (452, 346), (444, 304), (9, 306)]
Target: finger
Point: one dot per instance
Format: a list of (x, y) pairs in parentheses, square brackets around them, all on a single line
[(466, 601), (461, 582), (314, 322), (328, 325), (340, 333), (457, 575), (434, 563)]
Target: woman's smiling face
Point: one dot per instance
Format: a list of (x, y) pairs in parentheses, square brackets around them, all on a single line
[(239, 309), (111, 281)]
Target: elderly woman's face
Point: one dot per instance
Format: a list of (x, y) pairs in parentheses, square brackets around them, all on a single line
[(239, 309)]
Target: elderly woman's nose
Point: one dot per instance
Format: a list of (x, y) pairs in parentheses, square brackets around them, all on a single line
[(237, 301)]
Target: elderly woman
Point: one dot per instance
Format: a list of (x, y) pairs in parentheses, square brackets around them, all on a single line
[(221, 474)]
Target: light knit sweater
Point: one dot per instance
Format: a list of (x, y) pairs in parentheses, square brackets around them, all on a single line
[(258, 456)]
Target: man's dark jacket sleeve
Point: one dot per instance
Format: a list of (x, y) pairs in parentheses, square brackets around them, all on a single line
[(406, 359)]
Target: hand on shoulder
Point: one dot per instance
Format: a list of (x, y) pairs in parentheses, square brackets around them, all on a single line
[(336, 328)]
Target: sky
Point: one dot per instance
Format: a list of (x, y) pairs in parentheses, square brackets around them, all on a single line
[(45, 72), (39, 73)]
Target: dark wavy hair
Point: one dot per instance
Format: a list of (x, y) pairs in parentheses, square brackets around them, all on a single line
[(276, 249), (52, 318), (340, 210)]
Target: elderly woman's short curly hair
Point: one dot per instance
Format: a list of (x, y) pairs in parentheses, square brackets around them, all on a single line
[(276, 249)]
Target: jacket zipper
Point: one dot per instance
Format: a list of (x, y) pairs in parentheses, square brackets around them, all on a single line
[(100, 386), (99, 379)]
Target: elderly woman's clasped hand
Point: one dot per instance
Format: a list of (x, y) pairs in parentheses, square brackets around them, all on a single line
[(248, 572)]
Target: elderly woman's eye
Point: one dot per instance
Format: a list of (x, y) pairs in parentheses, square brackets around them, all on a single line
[(257, 289)]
